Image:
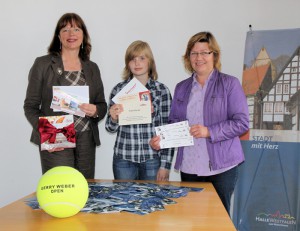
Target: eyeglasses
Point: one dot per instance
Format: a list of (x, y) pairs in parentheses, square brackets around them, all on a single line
[(202, 54)]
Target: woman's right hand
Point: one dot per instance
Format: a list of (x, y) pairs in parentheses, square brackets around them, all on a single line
[(115, 110), (199, 131)]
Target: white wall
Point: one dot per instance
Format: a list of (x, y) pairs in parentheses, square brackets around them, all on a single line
[(27, 27)]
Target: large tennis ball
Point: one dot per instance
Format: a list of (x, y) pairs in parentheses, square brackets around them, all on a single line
[(62, 191)]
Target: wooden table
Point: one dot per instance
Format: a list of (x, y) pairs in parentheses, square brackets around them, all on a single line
[(197, 211)]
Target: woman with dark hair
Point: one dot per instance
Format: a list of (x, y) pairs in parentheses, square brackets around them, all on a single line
[(67, 64), (216, 108)]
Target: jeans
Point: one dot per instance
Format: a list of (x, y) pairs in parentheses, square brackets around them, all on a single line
[(127, 170), (224, 183)]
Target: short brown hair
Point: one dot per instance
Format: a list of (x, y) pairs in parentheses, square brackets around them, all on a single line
[(202, 37)]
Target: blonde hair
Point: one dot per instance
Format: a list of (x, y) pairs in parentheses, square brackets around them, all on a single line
[(135, 49), (202, 37)]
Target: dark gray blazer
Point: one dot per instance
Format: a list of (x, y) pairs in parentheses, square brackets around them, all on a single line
[(47, 72)]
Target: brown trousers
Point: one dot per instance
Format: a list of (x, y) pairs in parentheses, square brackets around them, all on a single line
[(81, 158)]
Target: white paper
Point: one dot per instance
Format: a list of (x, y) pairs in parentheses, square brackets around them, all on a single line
[(134, 86), (136, 109), (174, 135), (68, 99)]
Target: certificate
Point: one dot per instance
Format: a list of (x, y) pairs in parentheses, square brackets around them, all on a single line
[(174, 135), (136, 108)]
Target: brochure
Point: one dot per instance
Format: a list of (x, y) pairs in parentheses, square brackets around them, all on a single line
[(68, 99)]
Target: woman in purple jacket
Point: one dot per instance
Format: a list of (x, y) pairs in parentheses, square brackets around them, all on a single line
[(216, 108)]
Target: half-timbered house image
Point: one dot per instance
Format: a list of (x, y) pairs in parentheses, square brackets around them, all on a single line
[(272, 89)]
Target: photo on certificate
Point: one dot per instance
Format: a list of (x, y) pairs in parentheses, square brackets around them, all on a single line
[(136, 108)]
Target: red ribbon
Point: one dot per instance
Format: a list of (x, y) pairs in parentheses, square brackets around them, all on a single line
[(48, 131)]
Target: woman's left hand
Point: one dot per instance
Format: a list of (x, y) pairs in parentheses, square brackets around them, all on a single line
[(89, 109), (199, 131)]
